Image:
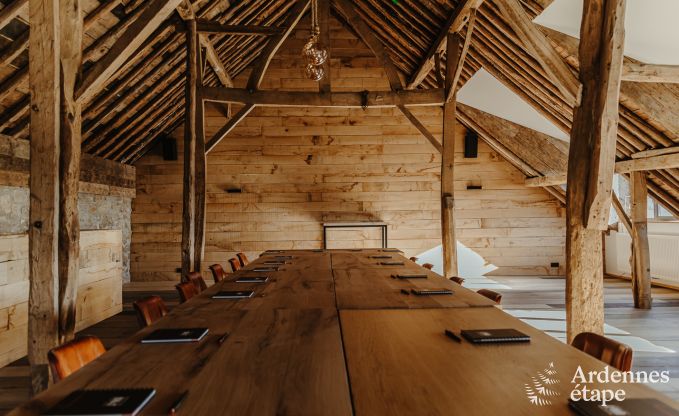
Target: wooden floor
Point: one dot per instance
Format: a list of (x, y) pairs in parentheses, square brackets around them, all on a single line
[(659, 325)]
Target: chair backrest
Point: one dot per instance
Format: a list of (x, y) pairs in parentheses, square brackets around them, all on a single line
[(197, 279), (186, 291), (149, 310), (605, 349), (458, 280), (73, 355), (494, 296), (242, 258), (235, 264), (218, 273), (428, 266), (413, 259)]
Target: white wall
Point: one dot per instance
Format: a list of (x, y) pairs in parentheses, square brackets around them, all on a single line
[(663, 239)]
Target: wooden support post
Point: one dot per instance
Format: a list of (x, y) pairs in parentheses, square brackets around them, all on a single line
[(640, 259), (201, 160), (189, 203), (591, 162), (449, 243), (43, 309), (71, 120)]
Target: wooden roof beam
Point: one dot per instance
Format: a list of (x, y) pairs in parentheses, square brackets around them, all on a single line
[(377, 48), (12, 10), (548, 180), (463, 54), (668, 161), (230, 125), (541, 49), (137, 32), (429, 97), (262, 63), (455, 23), (207, 26), (641, 72), (373, 43)]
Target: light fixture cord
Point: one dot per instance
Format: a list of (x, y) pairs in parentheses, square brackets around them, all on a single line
[(315, 30)]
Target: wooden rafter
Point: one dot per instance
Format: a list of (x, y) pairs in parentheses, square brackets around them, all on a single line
[(539, 46), (641, 72), (665, 161), (463, 54), (622, 215), (453, 24), (137, 32), (373, 43), (206, 26), (12, 10), (262, 63), (230, 125)]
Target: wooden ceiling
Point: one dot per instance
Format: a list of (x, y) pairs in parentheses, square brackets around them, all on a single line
[(146, 97)]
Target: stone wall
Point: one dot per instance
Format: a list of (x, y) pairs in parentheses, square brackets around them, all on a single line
[(97, 212)]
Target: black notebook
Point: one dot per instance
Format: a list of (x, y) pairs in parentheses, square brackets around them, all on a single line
[(391, 263), (483, 336), (252, 279), (103, 402), (265, 269), (234, 294), (627, 407), (171, 335), (430, 292), (410, 276)]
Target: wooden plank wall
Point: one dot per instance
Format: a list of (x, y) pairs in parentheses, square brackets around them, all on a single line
[(298, 167), (99, 286)]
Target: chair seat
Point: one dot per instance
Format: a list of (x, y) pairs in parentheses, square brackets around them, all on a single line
[(73, 355), (605, 349)]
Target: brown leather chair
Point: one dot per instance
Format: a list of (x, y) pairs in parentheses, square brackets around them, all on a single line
[(605, 349), (149, 310), (197, 279), (458, 280), (218, 273), (494, 296), (428, 266), (73, 355), (413, 259), (235, 264), (242, 258), (186, 291)]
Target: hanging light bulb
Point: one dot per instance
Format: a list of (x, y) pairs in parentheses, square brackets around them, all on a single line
[(313, 52), (314, 72)]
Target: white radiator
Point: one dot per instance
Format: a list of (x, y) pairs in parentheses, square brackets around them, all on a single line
[(664, 251)]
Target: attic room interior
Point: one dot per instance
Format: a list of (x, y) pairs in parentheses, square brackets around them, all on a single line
[(337, 207)]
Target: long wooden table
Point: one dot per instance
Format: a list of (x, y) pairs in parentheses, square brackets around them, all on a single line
[(331, 334)]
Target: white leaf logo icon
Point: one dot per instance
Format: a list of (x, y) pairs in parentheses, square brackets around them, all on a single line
[(538, 390)]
